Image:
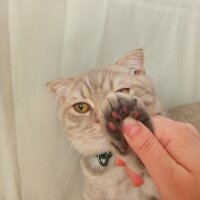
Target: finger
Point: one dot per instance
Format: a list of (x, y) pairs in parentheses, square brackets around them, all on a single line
[(171, 127), (149, 150), (180, 140)]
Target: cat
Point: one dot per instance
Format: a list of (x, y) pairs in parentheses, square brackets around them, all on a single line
[(93, 106)]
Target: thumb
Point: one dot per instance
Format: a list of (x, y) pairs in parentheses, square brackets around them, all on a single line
[(153, 155)]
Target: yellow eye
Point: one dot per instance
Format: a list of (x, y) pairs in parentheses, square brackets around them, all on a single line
[(124, 90), (81, 107)]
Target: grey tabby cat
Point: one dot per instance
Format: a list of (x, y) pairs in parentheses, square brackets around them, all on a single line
[(92, 108)]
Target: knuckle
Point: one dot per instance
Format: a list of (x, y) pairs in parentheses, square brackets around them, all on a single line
[(190, 127), (187, 127), (184, 126), (147, 145), (170, 175), (181, 125)]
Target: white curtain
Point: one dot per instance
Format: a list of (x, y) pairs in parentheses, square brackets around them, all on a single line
[(42, 40)]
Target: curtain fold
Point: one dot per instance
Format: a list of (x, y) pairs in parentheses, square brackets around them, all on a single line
[(9, 168), (42, 40)]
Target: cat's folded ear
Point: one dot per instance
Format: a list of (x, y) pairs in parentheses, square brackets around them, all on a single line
[(134, 61), (59, 88)]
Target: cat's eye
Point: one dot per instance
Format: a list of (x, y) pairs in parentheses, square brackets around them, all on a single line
[(81, 107), (124, 90)]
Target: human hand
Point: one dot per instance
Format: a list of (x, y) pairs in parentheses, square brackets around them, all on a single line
[(171, 156)]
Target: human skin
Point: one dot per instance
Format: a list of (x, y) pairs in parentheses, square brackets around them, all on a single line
[(171, 156)]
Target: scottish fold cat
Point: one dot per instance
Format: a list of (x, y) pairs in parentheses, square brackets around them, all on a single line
[(93, 106)]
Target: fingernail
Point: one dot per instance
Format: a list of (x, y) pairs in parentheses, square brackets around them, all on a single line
[(130, 127)]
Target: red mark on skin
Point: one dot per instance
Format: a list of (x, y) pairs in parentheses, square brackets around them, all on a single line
[(115, 115), (119, 162), (137, 180), (112, 126)]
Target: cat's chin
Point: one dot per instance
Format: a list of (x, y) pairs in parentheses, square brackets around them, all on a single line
[(93, 147)]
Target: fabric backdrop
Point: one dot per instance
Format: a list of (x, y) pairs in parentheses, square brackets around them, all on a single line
[(42, 40)]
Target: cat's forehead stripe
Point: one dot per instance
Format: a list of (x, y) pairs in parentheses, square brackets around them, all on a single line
[(97, 82), (101, 79), (82, 93), (86, 88)]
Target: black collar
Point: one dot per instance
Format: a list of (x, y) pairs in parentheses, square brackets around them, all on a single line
[(104, 158)]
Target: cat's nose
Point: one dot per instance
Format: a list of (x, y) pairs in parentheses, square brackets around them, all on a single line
[(96, 118)]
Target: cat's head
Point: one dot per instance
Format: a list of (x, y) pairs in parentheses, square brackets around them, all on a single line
[(81, 99)]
